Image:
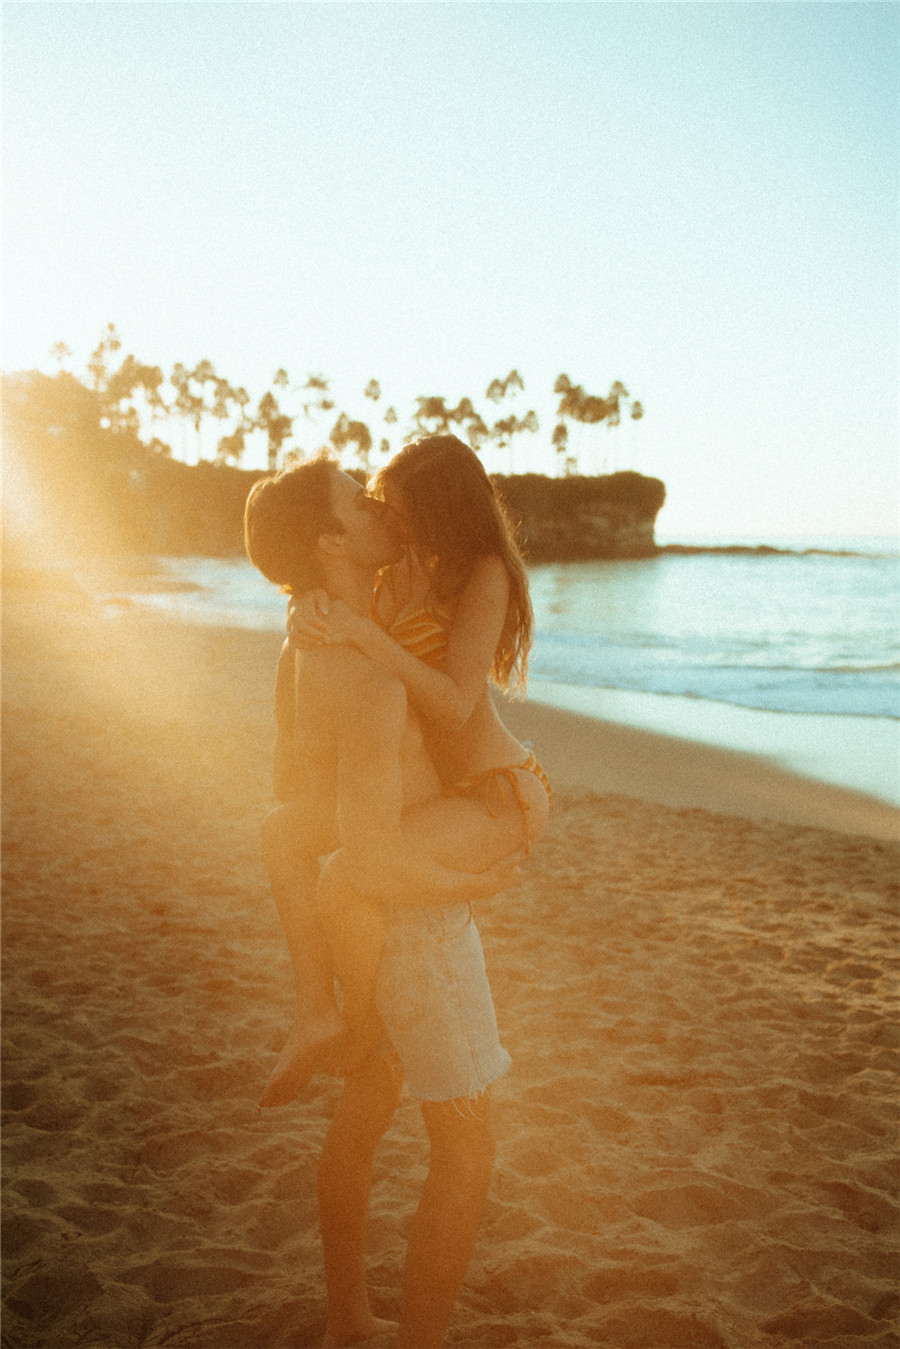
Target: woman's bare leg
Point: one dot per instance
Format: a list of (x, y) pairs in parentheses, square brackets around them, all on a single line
[(318, 1028), (354, 930), (460, 833)]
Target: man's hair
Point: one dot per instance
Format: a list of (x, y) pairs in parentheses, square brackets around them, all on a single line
[(283, 518)]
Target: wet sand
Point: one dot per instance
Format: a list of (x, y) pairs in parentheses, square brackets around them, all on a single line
[(693, 976)]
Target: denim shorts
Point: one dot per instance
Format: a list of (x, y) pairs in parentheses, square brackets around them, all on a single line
[(435, 1001)]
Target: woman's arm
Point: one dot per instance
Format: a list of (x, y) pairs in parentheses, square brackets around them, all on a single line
[(447, 697)]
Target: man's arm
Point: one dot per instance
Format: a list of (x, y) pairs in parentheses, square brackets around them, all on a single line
[(382, 863), (285, 772)]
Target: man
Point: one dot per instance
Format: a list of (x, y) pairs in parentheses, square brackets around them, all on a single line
[(363, 765)]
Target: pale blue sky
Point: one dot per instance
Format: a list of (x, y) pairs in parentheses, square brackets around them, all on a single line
[(697, 199)]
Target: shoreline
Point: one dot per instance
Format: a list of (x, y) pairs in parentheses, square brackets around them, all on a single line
[(856, 751), (859, 754), (579, 752), (757, 550)]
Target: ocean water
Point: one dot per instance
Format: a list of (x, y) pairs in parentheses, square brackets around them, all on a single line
[(786, 633), (793, 655)]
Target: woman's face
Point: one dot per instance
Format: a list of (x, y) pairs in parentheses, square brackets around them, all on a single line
[(398, 511)]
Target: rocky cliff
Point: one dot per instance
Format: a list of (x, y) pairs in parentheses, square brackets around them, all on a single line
[(578, 519)]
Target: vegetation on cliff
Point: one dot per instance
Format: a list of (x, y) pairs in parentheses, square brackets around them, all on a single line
[(218, 419), (80, 480)]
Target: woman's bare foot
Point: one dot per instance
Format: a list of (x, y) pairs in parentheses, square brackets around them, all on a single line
[(335, 1340), (310, 1046)]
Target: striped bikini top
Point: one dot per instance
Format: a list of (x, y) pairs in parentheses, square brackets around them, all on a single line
[(424, 632)]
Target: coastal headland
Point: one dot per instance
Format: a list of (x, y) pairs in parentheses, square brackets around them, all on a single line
[(98, 488), (692, 976)]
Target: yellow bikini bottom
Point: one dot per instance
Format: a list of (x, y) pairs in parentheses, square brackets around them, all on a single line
[(494, 799)]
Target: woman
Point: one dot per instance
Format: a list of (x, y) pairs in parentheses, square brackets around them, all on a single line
[(453, 615)]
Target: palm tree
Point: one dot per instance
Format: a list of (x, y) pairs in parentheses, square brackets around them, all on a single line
[(60, 353), (565, 463), (120, 387), (277, 426), (591, 409), (116, 388), (505, 429), (98, 367), (346, 432), (317, 400), (231, 447), (390, 419), (432, 417), (465, 414), (317, 386), (202, 374), (187, 405), (225, 400)]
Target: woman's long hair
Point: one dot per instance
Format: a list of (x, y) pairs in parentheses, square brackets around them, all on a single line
[(455, 516)]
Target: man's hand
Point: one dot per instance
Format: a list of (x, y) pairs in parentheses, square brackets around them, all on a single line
[(399, 875), (499, 877), (450, 887)]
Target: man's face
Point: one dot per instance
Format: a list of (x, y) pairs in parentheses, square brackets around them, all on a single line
[(369, 539)]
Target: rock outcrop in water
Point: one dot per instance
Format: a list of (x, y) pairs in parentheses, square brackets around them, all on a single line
[(579, 519)]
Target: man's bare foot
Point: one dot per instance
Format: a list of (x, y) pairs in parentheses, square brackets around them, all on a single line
[(310, 1047), (336, 1340)]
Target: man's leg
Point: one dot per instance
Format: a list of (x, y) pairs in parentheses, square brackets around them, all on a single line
[(318, 1027), (365, 1110), (446, 1221), (354, 930)]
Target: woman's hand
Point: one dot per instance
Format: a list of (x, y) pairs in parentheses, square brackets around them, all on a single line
[(316, 620), (307, 619), (344, 623)]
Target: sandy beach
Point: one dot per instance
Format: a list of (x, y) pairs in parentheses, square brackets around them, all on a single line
[(697, 1140)]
